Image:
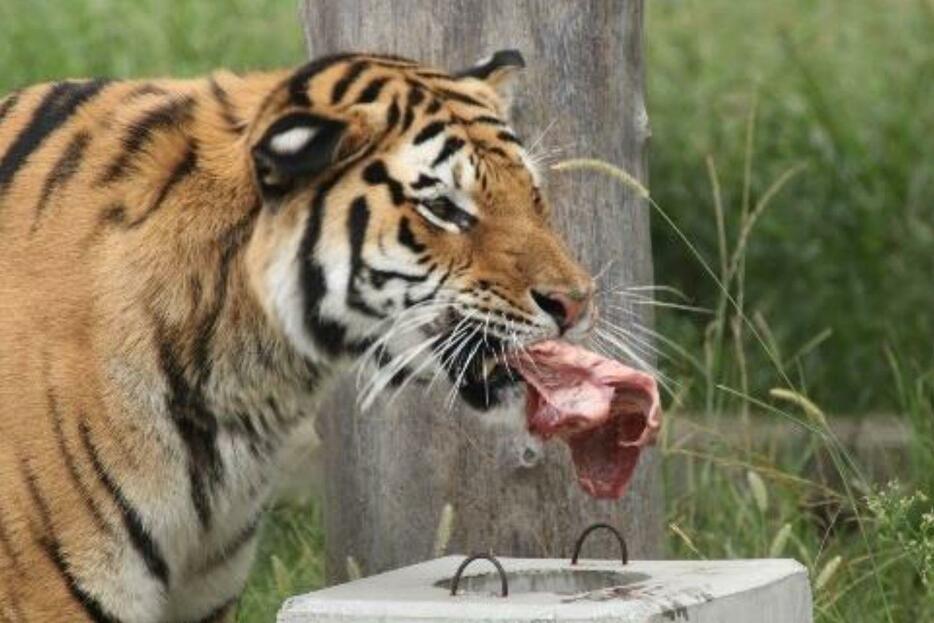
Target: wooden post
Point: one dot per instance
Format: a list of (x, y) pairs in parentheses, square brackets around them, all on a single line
[(389, 473)]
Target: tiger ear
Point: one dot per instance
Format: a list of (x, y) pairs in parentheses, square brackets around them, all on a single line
[(499, 71), (301, 145)]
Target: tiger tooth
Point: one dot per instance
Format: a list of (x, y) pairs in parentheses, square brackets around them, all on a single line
[(488, 366)]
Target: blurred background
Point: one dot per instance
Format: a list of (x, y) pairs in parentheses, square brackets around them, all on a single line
[(793, 149)]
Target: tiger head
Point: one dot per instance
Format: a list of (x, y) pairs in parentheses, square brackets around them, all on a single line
[(405, 224)]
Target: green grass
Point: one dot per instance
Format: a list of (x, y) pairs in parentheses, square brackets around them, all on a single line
[(47, 39), (870, 552), (869, 549), (843, 253), (290, 561), (832, 284)]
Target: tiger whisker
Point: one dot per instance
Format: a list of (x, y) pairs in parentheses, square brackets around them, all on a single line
[(663, 380), (408, 379), (382, 381), (376, 351), (457, 337), (640, 342), (541, 136), (463, 372), (404, 324)]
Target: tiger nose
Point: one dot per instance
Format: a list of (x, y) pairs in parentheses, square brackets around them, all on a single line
[(565, 307)]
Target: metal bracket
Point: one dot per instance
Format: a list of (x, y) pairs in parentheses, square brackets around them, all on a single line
[(605, 526), (502, 573)]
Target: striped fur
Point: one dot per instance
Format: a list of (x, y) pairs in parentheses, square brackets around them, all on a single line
[(184, 265)]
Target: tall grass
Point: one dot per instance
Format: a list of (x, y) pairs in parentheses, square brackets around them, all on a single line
[(290, 561), (870, 551), (47, 39), (843, 259)]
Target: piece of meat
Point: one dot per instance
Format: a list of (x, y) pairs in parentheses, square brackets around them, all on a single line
[(605, 411)]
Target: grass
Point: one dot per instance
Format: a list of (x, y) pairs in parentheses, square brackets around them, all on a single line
[(48, 39), (792, 145), (869, 549), (842, 261), (290, 561)]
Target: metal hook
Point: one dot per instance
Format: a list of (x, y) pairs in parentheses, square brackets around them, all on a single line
[(502, 574), (585, 533)]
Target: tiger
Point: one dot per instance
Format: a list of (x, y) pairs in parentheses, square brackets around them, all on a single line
[(186, 265)]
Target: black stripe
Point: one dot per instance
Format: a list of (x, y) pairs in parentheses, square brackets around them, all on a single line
[(91, 606), (434, 75), (408, 119), (429, 132), (63, 170), (350, 76), (407, 237), (409, 301), (114, 214), (424, 181), (196, 425), (45, 515), (298, 82), (59, 104), (140, 538), (484, 119), (327, 334), (460, 97), (376, 174), (53, 549), (416, 97), (386, 275), (393, 114), (433, 107), (68, 457), (230, 242), (173, 114), (235, 125), (357, 222), (448, 211), (451, 146), (330, 336), (509, 137), (372, 91), (183, 169), (8, 104)]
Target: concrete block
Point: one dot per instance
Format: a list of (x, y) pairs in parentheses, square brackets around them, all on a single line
[(644, 591)]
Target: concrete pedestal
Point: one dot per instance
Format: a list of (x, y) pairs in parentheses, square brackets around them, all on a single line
[(721, 591)]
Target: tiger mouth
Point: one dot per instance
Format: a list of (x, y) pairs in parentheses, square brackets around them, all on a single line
[(478, 368)]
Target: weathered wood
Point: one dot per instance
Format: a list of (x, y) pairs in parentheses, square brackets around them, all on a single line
[(390, 472)]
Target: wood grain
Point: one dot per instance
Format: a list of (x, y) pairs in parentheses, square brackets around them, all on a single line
[(391, 471)]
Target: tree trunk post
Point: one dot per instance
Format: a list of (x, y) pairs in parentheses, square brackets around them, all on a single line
[(390, 472)]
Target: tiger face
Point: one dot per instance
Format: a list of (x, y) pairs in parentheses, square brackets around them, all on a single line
[(405, 226)]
